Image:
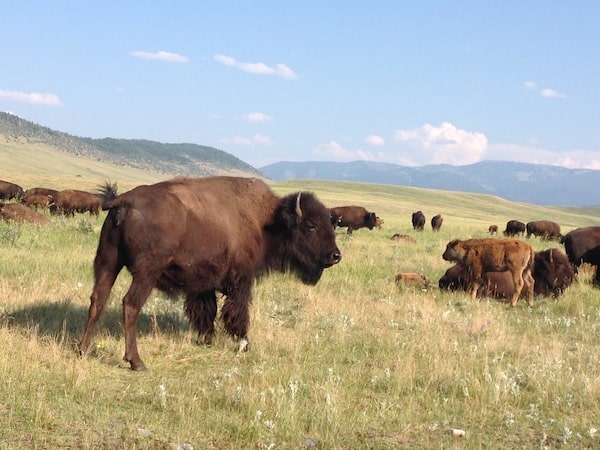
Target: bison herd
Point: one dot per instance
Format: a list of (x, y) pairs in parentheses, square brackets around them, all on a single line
[(168, 238), (29, 202)]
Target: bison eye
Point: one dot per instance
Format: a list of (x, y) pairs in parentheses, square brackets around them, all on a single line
[(309, 226)]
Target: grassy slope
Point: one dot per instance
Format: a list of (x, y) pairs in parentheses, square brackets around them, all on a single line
[(354, 362)]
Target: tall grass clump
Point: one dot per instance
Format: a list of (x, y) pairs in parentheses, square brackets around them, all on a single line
[(353, 362)]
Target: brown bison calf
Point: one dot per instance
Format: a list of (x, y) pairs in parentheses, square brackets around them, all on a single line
[(495, 255), (411, 279)]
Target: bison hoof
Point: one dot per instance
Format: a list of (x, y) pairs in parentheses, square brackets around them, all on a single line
[(243, 346)]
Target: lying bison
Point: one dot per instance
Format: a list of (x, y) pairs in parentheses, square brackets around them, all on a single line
[(200, 236), (16, 212), (354, 217), (544, 229), (552, 274), (494, 255), (583, 246)]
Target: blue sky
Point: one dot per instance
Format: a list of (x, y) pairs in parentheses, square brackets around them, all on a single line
[(410, 83)]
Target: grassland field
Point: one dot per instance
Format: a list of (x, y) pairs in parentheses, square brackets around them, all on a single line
[(354, 362)]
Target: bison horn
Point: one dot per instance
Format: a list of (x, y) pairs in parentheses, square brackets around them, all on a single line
[(298, 209)]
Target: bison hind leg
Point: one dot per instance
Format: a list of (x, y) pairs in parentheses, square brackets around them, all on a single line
[(201, 311)]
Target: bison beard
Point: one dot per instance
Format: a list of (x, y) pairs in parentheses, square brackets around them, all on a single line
[(202, 236)]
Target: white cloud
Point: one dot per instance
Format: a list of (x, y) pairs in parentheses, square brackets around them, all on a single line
[(445, 144), (375, 141), (545, 92), (573, 159), (256, 117), (336, 152), (258, 68), (257, 139), (551, 93), (161, 56), (33, 98)]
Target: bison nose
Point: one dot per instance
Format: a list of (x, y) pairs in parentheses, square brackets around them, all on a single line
[(336, 256)]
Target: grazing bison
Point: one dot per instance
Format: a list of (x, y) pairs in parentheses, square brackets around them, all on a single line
[(354, 217), (10, 190), (70, 201), (200, 236), (38, 191), (493, 229), (436, 222), (16, 212), (552, 274), (418, 220), (583, 246), (545, 229), (514, 228), (494, 255)]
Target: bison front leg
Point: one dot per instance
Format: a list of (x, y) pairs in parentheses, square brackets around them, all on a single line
[(236, 314), (530, 283), (519, 282), (201, 311)]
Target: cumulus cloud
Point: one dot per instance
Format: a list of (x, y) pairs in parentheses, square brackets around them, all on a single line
[(256, 117), (445, 144), (375, 141), (33, 98), (161, 56), (252, 141), (336, 152), (259, 68)]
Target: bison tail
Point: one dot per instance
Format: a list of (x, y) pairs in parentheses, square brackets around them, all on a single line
[(108, 192)]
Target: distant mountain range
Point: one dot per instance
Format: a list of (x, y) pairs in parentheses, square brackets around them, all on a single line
[(530, 183)]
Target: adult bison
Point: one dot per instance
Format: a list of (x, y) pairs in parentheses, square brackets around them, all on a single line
[(354, 217), (70, 201), (583, 246), (514, 228), (418, 220), (436, 222), (552, 274), (545, 229), (10, 190), (494, 255), (200, 236), (16, 212)]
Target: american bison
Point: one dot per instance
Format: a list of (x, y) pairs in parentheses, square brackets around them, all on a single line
[(16, 212), (9, 190), (436, 222), (494, 255), (583, 246), (70, 201), (38, 201), (545, 229), (201, 236), (418, 220), (411, 279), (404, 238), (552, 274), (354, 217), (493, 229), (514, 228), (38, 191), (378, 222)]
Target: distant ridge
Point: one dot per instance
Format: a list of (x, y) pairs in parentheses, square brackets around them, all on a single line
[(174, 159), (531, 183)]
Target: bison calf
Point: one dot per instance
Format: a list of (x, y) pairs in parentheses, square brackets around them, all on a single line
[(495, 255)]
